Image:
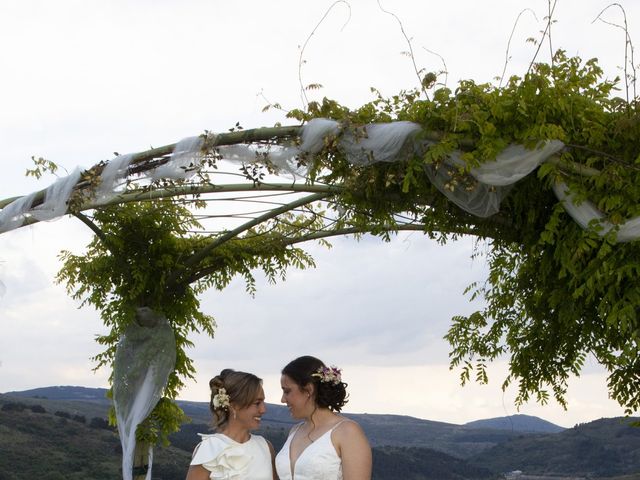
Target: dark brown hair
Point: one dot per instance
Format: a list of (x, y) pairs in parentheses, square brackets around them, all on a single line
[(327, 394)]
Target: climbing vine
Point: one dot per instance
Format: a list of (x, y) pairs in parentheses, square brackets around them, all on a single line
[(555, 292), (139, 260)]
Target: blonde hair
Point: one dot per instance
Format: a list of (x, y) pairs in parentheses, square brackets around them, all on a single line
[(242, 389)]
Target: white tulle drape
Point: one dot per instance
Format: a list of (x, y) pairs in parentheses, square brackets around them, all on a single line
[(587, 215), (53, 206), (480, 193), (112, 179), (185, 160), (14, 215), (487, 184), (145, 356), (369, 144)]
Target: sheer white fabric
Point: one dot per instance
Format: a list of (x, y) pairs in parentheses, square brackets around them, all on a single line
[(315, 132), (13, 215), (479, 193), (145, 356), (56, 197), (514, 163), (112, 178), (379, 142), (472, 196), (184, 162), (587, 215), (285, 158), (54, 204)]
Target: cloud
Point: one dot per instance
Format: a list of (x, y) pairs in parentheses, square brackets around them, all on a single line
[(372, 298)]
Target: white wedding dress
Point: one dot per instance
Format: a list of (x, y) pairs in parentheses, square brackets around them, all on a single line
[(319, 461), (227, 459)]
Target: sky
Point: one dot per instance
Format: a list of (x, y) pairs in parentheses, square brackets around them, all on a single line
[(83, 79)]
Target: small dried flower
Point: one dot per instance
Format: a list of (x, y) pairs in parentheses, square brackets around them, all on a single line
[(221, 399), (330, 374)]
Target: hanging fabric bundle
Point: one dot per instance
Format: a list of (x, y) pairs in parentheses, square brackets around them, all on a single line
[(145, 356)]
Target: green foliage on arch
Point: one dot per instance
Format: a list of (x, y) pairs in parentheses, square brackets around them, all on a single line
[(139, 260), (555, 293)]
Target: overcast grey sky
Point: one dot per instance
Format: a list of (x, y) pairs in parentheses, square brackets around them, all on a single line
[(82, 79)]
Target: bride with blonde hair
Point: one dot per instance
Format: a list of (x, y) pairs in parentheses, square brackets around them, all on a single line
[(233, 452)]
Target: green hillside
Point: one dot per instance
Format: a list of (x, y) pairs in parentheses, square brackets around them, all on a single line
[(65, 435), (459, 441), (38, 443), (605, 447), (517, 423)]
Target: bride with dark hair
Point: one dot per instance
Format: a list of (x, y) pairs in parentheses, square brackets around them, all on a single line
[(325, 445)]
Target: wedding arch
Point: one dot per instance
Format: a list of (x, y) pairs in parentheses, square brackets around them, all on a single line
[(545, 169)]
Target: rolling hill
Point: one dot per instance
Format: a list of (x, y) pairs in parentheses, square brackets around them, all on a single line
[(64, 428), (462, 441)]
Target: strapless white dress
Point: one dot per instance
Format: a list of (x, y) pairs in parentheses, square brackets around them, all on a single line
[(319, 461)]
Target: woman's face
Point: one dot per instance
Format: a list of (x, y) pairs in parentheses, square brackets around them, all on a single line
[(251, 416), (298, 400)]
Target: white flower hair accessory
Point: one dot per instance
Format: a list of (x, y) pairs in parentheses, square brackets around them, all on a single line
[(221, 399), (330, 374)]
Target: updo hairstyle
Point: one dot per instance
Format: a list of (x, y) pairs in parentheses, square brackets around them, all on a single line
[(327, 394), (242, 389)]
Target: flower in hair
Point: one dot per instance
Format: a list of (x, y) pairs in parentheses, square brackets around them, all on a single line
[(330, 374), (221, 399)]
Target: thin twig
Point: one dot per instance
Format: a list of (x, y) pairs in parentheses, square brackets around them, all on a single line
[(305, 100), (513, 31), (550, 17), (628, 49), (604, 155), (446, 70), (546, 32), (408, 40)]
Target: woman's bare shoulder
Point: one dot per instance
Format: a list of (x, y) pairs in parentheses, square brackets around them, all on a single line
[(348, 428)]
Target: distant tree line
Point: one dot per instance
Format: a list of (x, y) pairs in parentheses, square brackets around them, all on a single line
[(95, 422), (19, 407)]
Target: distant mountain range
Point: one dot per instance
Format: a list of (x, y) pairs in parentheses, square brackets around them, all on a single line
[(517, 423), (404, 447), (279, 413), (461, 441)]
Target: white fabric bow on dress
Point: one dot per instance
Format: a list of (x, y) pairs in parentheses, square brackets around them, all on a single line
[(225, 461)]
